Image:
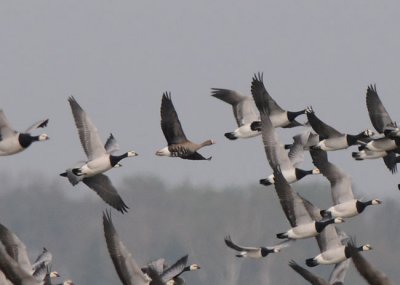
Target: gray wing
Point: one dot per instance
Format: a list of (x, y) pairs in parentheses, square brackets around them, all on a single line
[(292, 204), (370, 273), (244, 108), (328, 238), (340, 181), (40, 272), (88, 133), (339, 272), (101, 184), (13, 271), (175, 269), (380, 118), (257, 85), (323, 130), (158, 265), (307, 275), (274, 149), (111, 144), (170, 124), (5, 127), (15, 248), (390, 161), (127, 269), (229, 243), (39, 124), (44, 257), (296, 151)]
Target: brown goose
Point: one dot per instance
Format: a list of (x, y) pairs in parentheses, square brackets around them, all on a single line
[(178, 144)]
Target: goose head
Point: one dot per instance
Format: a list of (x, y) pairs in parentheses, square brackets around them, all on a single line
[(316, 171), (194, 267), (365, 247), (368, 133), (54, 274), (43, 137), (131, 153), (338, 220), (376, 202)]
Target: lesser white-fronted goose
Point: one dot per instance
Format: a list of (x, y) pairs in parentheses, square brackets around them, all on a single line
[(345, 205), (12, 142), (255, 252), (178, 144), (244, 111), (330, 138), (100, 159)]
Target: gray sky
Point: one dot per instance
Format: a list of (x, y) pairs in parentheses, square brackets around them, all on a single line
[(117, 58)]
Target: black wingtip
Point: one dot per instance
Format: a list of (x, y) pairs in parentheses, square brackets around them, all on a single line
[(230, 136), (311, 262)]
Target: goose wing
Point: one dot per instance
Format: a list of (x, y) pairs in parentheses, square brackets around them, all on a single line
[(323, 130), (102, 185), (258, 86), (274, 150), (88, 133), (380, 118), (244, 109), (328, 238), (292, 204), (175, 269), (237, 247), (5, 127), (390, 161), (340, 181), (39, 124), (296, 151), (15, 248), (13, 271), (170, 124), (127, 269), (307, 275), (45, 257), (111, 144), (372, 275), (339, 272)]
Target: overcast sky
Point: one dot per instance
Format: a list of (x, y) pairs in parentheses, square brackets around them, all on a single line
[(117, 58)]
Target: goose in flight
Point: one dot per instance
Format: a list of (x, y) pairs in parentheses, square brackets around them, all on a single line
[(371, 274), (100, 159), (330, 138), (278, 116), (256, 252), (12, 142), (244, 111), (178, 144), (336, 278), (332, 249), (345, 205), (274, 149)]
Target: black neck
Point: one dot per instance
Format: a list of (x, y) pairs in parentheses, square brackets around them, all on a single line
[(300, 173), (25, 140), (292, 115), (265, 251), (320, 225), (362, 205), (352, 139), (114, 159)]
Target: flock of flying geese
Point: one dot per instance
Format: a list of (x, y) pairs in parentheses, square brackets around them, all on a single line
[(255, 115)]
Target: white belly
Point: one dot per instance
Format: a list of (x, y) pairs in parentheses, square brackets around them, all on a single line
[(279, 120), (347, 209), (96, 166), (245, 132), (331, 256), (303, 231), (10, 146)]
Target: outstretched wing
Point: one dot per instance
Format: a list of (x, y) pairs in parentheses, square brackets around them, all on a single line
[(307, 275), (88, 134), (5, 127), (170, 124), (325, 131), (380, 118), (39, 124), (102, 185)]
